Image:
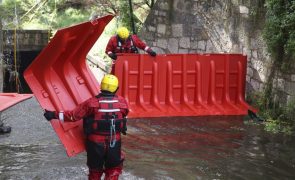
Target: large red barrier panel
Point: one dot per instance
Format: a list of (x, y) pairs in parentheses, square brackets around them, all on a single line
[(183, 84), (60, 78)]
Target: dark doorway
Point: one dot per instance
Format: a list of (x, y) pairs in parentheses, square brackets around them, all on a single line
[(25, 58)]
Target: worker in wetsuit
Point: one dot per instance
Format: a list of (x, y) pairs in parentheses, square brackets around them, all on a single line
[(104, 119), (123, 42)]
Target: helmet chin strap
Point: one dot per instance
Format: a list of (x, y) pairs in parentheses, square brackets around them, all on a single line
[(122, 40)]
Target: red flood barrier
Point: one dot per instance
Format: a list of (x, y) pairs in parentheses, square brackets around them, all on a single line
[(9, 99), (60, 78), (183, 84)]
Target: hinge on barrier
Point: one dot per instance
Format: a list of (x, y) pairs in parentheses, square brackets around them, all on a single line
[(44, 94), (80, 80), (55, 89)]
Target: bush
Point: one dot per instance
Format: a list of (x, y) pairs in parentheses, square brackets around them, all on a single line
[(278, 118)]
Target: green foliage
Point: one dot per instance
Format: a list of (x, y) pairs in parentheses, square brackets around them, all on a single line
[(279, 119), (279, 32), (55, 14), (70, 16)]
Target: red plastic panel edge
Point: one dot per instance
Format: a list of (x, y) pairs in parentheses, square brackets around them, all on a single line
[(9, 99)]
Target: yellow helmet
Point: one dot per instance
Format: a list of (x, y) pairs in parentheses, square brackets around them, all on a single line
[(109, 83), (123, 33)]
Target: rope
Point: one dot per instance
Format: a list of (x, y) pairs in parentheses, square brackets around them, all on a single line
[(15, 65)]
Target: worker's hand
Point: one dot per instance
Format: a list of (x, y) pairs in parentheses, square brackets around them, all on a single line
[(151, 52), (49, 115), (113, 56)]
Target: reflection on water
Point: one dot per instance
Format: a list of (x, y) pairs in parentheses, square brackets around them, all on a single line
[(39, 162), (206, 148), (168, 148)]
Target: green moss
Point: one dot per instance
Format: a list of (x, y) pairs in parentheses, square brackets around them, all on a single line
[(279, 35), (278, 118), (276, 126), (279, 32)]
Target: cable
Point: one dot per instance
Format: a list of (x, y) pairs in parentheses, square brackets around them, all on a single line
[(14, 54)]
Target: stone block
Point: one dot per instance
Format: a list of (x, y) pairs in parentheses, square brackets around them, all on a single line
[(258, 65), (151, 28), (164, 6), (246, 51), (244, 10), (192, 51), (293, 78), (255, 84), (173, 45), (162, 43), (37, 39), (250, 72), (161, 28), (183, 51), (194, 44), (177, 30), (235, 48), (254, 54), (210, 48), (184, 42), (253, 43), (281, 84), (162, 13), (248, 78), (202, 45), (290, 88), (159, 50)]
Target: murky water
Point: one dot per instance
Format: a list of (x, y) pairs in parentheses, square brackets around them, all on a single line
[(156, 148)]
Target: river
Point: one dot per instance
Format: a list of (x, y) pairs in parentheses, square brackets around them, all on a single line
[(180, 148)]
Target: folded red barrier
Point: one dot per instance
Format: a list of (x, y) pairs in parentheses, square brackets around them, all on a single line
[(183, 84), (60, 78), (9, 99)]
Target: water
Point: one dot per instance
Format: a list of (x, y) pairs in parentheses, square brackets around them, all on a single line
[(156, 148)]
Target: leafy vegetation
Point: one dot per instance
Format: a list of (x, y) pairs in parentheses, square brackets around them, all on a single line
[(54, 14), (279, 34), (278, 118)]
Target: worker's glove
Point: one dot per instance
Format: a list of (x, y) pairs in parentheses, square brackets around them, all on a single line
[(124, 130), (113, 56), (49, 115), (151, 52)]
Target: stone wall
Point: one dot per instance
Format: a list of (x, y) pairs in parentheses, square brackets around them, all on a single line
[(213, 26), (26, 40)]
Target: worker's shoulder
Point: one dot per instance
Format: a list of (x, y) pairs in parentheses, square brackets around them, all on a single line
[(92, 100), (134, 36), (114, 37), (121, 98)]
